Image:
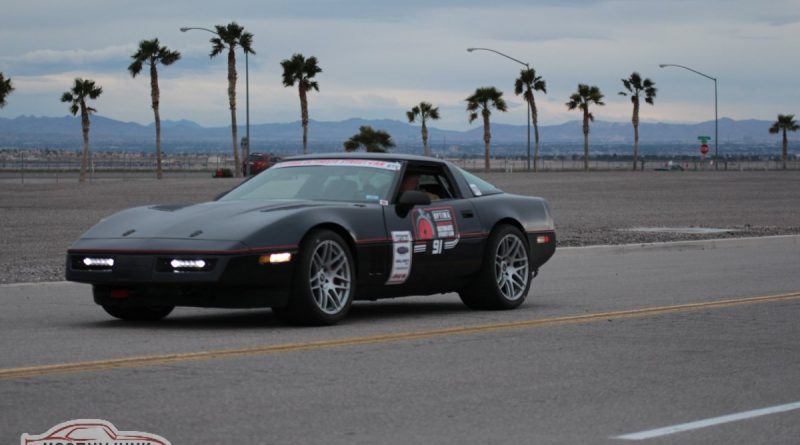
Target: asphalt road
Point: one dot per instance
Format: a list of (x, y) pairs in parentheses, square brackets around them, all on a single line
[(612, 341)]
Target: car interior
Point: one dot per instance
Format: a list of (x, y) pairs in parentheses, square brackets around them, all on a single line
[(433, 181)]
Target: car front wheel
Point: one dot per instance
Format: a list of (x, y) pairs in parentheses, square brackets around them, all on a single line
[(324, 281), (505, 277)]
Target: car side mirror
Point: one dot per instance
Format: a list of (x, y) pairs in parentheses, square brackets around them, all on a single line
[(411, 198)]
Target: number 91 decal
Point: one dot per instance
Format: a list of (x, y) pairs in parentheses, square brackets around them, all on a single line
[(434, 226)]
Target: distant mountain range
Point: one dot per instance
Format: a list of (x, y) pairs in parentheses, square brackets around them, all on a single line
[(185, 135)]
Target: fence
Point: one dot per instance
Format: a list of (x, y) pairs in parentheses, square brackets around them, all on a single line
[(115, 162), (22, 166), (512, 165)]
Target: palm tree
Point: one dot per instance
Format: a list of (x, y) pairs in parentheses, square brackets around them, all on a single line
[(5, 89), (77, 96), (528, 82), (483, 99), (425, 111), (152, 53), (228, 37), (300, 70), (584, 97), (784, 123), (373, 141), (636, 86)]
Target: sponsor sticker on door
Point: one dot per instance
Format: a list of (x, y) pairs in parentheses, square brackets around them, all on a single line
[(401, 257), (435, 229)]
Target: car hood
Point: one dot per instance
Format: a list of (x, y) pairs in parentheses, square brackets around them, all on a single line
[(217, 220)]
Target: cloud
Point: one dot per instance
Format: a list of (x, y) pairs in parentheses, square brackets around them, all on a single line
[(785, 20), (380, 58), (49, 61), (76, 56)]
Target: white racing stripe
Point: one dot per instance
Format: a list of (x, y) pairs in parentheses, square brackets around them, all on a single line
[(651, 434)]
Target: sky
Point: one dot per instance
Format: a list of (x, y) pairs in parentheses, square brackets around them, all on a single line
[(380, 58)]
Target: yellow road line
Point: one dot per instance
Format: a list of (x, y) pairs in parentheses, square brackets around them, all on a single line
[(153, 360)]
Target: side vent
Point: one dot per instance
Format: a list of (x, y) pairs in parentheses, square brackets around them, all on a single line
[(128, 232), (195, 233)]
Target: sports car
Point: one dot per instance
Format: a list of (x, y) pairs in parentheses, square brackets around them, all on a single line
[(313, 233)]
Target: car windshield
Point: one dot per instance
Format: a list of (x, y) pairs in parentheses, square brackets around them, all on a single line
[(350, 180)]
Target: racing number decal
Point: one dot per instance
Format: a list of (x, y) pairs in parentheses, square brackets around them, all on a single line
[(437, 225)]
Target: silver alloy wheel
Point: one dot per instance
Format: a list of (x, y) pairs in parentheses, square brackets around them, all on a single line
[(330, 277), (511, 267)]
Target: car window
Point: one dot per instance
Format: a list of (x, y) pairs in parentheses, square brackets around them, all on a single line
[(322, 180), (437, 184), (478, 186), (432, 180)]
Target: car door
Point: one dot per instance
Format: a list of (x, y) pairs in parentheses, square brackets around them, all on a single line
[(435, 247)]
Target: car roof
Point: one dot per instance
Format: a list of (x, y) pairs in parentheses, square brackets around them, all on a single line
[(363, 155)]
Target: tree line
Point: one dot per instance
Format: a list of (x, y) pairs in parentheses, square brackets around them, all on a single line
[(301, 71), (297, 70)]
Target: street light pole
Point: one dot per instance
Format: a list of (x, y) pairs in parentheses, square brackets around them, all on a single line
[(716, 108), (247, 112), (246, 99), (529, 105)]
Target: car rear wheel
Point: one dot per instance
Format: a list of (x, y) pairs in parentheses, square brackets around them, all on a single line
[(505, 278), (143, 313), (324, 281)]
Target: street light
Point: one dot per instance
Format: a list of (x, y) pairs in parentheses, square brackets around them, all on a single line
[(246, 99), (529, 105), (716, 114)]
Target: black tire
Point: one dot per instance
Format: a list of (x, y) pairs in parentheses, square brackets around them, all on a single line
[(141, 313), (321, 295), (505, 277)]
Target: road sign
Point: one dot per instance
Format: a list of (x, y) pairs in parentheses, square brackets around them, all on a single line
[(704, 144)]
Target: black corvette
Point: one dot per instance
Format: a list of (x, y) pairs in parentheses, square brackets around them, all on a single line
[(313, 233)]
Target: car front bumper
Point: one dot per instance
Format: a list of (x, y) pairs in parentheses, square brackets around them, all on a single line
[(146, 280)]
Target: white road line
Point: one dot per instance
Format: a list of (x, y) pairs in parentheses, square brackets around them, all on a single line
[(732, 240), (650, 434)]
